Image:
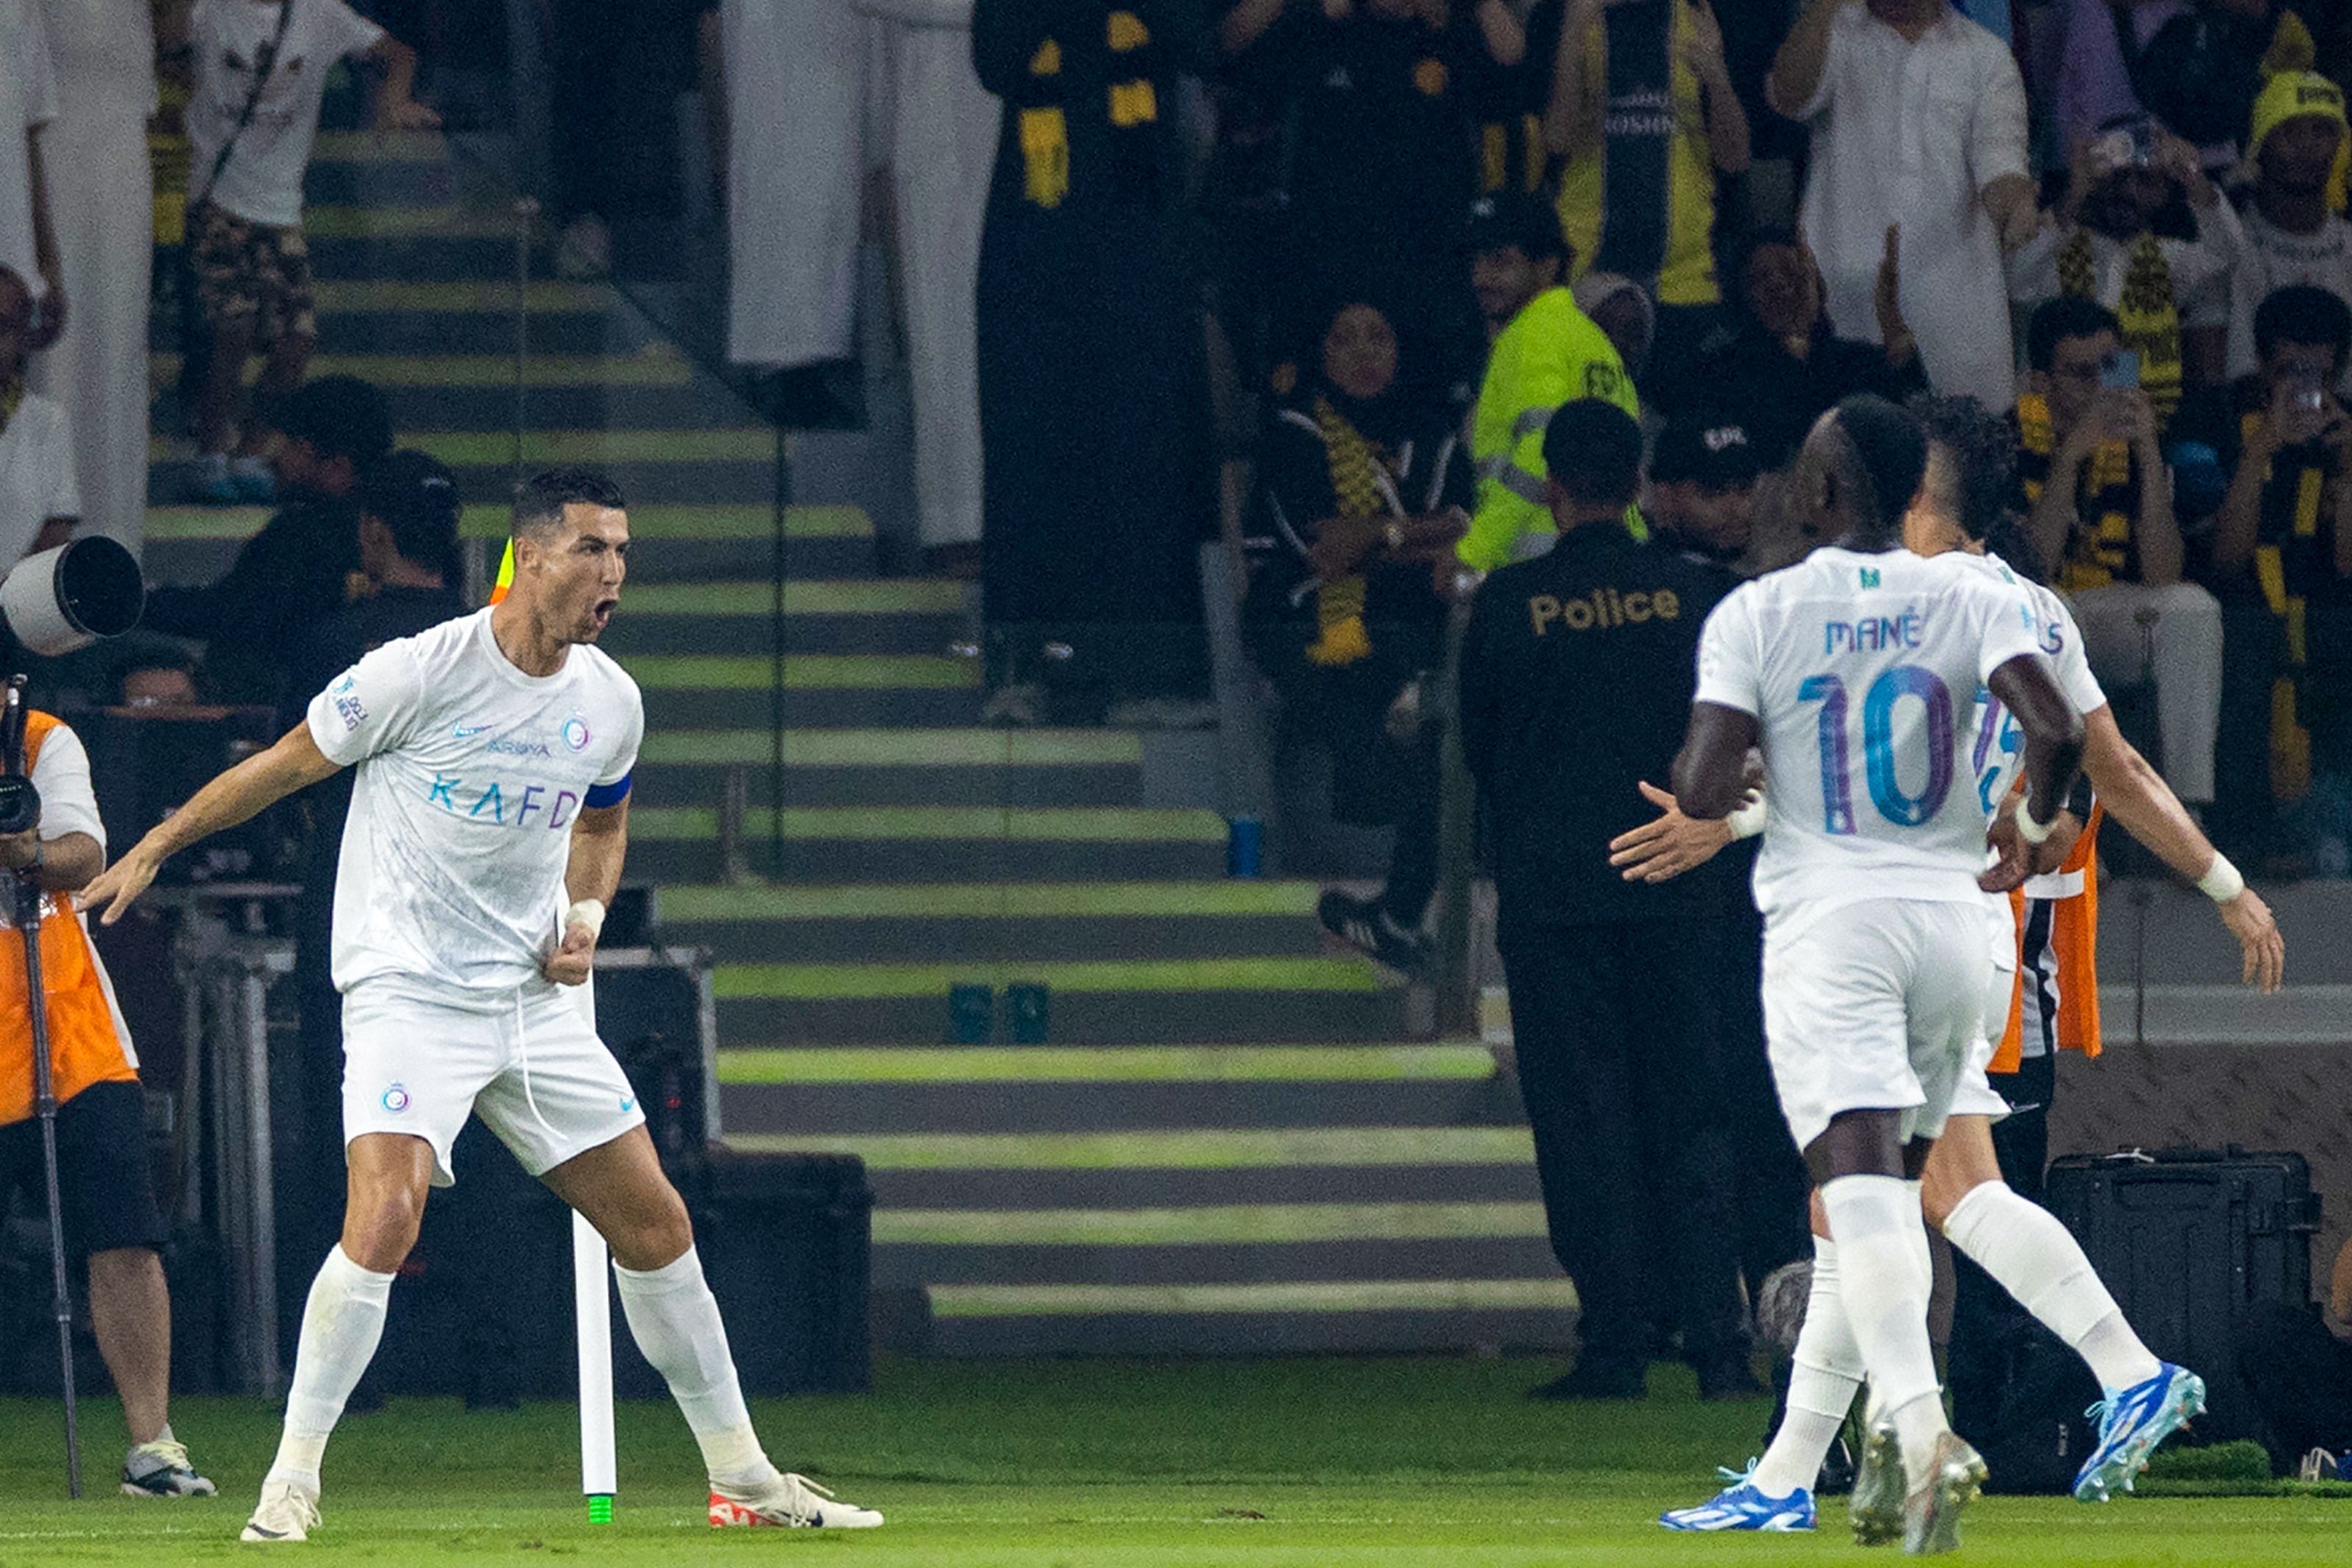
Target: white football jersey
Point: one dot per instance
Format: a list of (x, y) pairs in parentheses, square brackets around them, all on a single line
[(1862, 673), (470, 776), (2000, 745)]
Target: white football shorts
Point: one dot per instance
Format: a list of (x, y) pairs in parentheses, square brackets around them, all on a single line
[(534, 1071), (1874, 1006), (1976, 1095)]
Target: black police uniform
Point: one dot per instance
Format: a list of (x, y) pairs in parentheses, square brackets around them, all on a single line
[(1576, 675)]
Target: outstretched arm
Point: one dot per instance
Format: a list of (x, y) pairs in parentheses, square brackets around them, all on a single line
[(2138, 797), (246, 789), (600, 842)]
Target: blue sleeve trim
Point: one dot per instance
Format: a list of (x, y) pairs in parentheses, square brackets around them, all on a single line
[(603, 795)]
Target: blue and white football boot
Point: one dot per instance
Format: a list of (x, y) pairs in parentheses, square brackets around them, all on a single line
[(1740, 1506), (2133, 1423)]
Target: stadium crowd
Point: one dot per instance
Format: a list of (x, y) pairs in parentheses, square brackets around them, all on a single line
[(1311, 278), (1331, 252)]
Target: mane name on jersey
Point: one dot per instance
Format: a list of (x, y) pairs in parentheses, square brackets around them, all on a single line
[(1873, 633), (498, 802)]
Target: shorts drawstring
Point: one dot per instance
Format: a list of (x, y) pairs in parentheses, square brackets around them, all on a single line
[(522, 1048)]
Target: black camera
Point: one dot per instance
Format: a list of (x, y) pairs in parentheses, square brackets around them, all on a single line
[(20, 803)]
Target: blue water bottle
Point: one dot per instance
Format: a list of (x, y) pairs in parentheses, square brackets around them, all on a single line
[(1244, 845)]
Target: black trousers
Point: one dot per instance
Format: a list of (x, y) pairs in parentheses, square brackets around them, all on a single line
[(1619, 1042), (2300, 1375)]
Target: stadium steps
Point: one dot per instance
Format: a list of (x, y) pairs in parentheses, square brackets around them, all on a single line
[(1153, 1179), (1185, 1199), (835, 845)]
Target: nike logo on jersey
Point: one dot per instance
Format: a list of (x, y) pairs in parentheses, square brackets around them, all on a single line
[(466, 731)]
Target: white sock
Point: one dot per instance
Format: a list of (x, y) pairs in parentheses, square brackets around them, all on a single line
[(2037, 1260), (1885, 1293), (676, 1320), (342, 1323), (1822, 1385)]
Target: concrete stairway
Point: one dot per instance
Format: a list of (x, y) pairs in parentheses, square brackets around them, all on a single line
[(1155, 1177)]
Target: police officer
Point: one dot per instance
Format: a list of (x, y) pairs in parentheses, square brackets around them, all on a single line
[(1577, 674)]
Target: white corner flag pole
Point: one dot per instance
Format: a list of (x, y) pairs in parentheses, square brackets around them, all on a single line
[(593, 1302), (592, 1305)]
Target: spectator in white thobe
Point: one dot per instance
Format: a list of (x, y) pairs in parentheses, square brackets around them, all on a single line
[(865, 82), (29, 102), (1919, 122), (104, 52)]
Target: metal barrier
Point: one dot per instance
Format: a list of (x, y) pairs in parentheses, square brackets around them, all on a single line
[(224, 982)]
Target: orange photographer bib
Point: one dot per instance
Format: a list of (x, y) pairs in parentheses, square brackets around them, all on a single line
[(88, 1043), (2075, 938)]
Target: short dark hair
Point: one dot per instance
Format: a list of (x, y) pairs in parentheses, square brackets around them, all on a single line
[(148, 652), (2301, 313), (1890, 449), (1508, 219), (2055, 320), (414, 496), (1592, 450), (539, 504), (1983, 459)]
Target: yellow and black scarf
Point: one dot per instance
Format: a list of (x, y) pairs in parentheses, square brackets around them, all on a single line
[(2149, 311), (1362, 484), (1130, 103), (2107, 502), (2296, 553)]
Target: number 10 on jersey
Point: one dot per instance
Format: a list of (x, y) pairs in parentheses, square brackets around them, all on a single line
[(1886, 792)]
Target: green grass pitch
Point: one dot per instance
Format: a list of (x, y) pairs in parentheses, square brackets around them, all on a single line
[(1404, 1463)]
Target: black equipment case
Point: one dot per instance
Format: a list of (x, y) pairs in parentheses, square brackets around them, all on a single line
[(2188, 1239)]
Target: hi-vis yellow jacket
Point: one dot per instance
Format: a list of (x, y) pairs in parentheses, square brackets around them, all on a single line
[(1551, 353)]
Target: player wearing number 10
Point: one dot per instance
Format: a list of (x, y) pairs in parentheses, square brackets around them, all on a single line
[(1855, 671)]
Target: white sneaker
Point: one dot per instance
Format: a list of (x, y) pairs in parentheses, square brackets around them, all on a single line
[(162, 1468), (288, 1511), (795, 1502)]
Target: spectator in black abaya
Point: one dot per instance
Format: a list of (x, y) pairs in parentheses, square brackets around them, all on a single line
[(1099, 483), (1362, 487), (1387, 99), (1778, 365), (615, 70)]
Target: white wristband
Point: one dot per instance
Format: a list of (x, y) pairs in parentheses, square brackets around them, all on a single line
[(2031, 831), (588, 912), (2221, 882), (1748, 819)]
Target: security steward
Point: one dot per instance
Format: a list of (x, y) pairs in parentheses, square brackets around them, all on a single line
[(1576, 674), (1545, 352), (108, 1199)]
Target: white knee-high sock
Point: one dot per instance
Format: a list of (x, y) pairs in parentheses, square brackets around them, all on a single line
[(2037, 1260), (676, 1320), (342, 1323), (1822, 1385), (1885, 1294)]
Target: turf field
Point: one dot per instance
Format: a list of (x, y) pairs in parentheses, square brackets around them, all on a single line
[(1287, 1464)]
